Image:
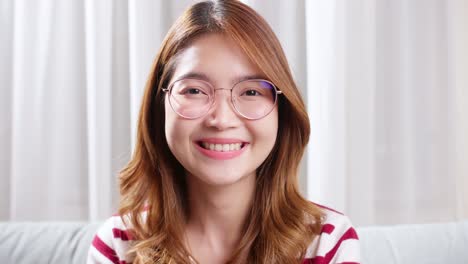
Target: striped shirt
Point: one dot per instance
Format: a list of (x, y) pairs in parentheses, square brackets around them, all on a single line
[(338, 242)]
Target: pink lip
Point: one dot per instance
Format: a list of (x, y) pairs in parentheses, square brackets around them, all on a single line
[(218, 155)]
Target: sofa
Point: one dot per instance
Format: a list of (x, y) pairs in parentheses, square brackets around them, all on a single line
[(67, 242)]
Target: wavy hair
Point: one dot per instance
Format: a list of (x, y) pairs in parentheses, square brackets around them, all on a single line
[(281, 223)]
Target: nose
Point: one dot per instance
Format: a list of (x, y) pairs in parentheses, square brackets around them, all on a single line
[(222, 114)]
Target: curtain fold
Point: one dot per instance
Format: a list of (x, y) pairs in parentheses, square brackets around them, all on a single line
[(457, 14), (6, 63)]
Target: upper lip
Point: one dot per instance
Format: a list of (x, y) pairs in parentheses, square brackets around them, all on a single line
[(221, 140)]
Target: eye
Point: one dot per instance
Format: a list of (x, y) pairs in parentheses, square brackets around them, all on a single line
[(192, 91), (252, 93)]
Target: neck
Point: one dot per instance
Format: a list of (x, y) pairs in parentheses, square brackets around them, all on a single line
[(217, 213)]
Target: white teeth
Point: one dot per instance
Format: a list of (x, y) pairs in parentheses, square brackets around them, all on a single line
[(222, 147), (218, 147)]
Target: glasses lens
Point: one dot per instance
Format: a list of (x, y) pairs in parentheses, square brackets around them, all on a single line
[(254, 99), (191, 98)]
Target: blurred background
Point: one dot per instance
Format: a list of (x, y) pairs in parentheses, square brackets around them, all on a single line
[(385, 82)]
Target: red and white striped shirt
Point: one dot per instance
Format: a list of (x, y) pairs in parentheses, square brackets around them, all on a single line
[(338, 242)]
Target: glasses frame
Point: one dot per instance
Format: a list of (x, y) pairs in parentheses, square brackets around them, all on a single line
[(169, 91)]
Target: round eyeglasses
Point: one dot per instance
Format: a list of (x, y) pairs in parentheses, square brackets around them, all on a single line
[(193, 98)]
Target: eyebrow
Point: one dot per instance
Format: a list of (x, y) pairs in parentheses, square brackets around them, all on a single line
[(204, 77)]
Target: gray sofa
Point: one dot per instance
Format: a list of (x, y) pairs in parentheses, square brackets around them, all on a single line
[(61, 242)]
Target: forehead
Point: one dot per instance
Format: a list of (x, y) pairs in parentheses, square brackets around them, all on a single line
[(216, 58)]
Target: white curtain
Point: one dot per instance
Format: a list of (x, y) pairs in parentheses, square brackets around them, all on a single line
[(388, 101), (385, 82)]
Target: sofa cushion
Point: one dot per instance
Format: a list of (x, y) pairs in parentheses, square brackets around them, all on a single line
[(423, 243), (67, 242), (45, 242)]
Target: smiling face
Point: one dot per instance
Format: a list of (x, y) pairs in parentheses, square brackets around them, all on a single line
[(220, 147)]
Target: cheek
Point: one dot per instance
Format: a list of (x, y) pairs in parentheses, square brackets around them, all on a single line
[(273, 127), (267, 130), (171, 127), (178, 132)]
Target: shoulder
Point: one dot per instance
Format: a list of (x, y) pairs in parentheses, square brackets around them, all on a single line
[(111, 242), (337, 242)]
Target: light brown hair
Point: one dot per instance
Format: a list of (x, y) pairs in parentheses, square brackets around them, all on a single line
[(281, 223)]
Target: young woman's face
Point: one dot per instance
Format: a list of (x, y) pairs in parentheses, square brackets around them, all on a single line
[(220, 62)]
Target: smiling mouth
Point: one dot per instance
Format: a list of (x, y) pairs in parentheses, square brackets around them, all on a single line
[(221, 147)]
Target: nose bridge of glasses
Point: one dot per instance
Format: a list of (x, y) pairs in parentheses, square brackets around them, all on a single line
[(226, 98), (223, 103), (221, 89), (228, 93)]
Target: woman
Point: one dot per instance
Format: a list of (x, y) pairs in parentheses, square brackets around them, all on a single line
[(221, 131)]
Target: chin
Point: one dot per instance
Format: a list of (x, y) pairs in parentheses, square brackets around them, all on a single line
[(221, 180)]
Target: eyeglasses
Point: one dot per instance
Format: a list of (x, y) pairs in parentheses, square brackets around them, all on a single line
[(193, 98)]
